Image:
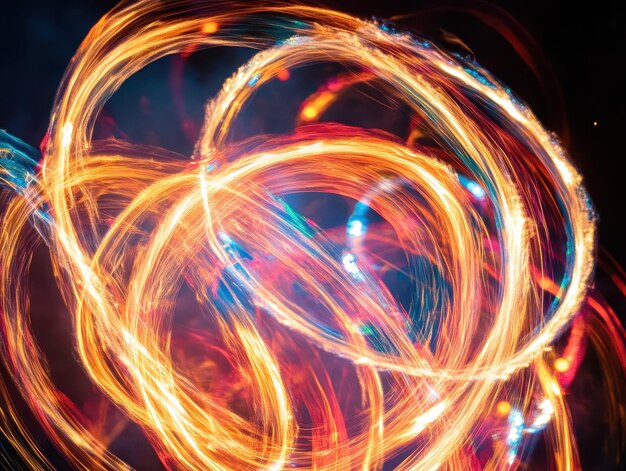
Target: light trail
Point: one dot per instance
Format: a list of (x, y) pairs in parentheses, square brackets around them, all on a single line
[(307, 359)]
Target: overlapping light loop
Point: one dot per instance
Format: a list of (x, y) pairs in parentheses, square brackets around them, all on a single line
[(310, 359)]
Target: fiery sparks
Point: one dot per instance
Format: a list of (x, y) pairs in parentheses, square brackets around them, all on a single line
[(297, 351)]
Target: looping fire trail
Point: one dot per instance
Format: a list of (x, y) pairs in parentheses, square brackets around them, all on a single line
[(298, 351)]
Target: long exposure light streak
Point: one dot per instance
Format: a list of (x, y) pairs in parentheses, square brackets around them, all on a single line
[(301, 355)]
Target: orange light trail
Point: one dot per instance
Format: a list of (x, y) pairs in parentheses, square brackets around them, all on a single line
[(301, 356)]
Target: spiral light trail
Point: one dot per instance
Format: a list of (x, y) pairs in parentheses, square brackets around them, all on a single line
[(300, 353)]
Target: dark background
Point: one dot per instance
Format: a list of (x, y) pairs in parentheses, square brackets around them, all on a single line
[(576, 51)]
